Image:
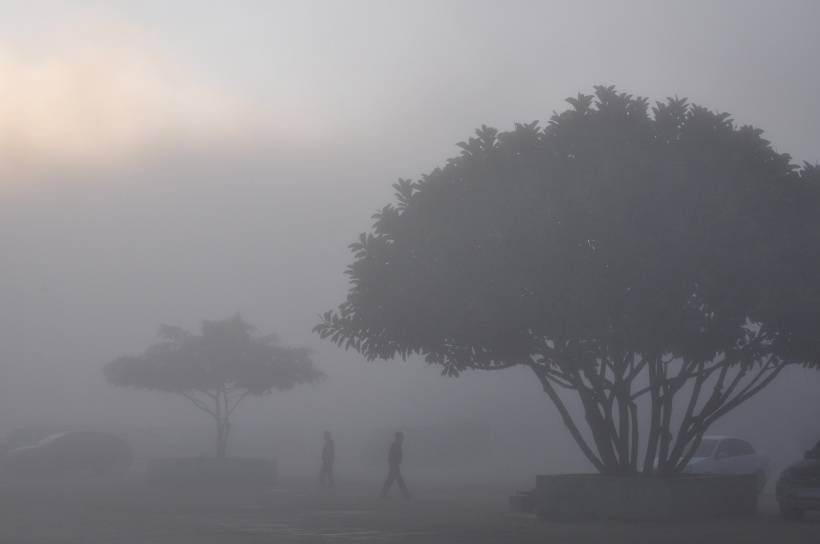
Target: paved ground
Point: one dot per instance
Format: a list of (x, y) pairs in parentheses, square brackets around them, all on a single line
[(132, 513)]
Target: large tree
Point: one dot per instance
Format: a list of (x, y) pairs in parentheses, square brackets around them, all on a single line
[(659, 264), (215, 369)]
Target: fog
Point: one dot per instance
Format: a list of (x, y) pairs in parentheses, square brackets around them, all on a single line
[(264, 138)]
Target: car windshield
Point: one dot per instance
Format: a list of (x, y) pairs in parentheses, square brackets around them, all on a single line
[(706, 448)]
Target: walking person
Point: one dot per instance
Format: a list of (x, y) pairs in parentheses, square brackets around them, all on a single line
[(328, 456), (394, 471)]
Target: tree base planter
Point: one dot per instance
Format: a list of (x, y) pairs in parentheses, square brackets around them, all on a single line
[(683, 497), (523, 502), (197, 473)]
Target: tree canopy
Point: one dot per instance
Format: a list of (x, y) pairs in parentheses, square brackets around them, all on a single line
[(215, 369), (624, 253)]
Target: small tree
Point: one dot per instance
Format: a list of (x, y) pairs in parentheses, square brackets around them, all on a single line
[(215, 369), (660, 266)]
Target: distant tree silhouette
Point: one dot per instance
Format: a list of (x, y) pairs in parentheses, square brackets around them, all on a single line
[(630, 258), (215, 369)]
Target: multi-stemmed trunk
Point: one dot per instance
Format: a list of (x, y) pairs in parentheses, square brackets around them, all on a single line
[(610, 390)]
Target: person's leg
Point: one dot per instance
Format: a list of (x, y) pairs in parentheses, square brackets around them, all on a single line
[(330, 480), (391, 476), (323, 476), (402, 487)]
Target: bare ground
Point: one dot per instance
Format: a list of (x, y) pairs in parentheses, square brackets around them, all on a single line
[(95, 512)]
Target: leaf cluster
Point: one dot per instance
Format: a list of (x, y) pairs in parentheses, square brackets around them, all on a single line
[(618, 227), (225, 355)]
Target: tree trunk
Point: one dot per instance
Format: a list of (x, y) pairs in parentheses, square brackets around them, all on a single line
[(611, 413), (222, 432), (223, 425)]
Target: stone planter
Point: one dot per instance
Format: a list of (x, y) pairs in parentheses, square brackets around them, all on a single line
[(594, 496), (205, 472), (523, 502)]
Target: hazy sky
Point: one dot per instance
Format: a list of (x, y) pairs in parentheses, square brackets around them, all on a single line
[(416, 76), (174, 161)]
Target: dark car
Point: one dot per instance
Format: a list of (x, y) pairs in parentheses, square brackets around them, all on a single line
[(70, 452), (798, 488)]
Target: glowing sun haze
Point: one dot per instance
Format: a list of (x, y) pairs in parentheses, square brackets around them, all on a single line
[(105, 100)]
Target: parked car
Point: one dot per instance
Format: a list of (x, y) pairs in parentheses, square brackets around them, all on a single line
[(729, 455), (26, 436), (70, 452), (798, 488)]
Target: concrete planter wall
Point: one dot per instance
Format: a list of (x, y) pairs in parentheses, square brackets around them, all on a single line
[(204, 472), (593, 496)]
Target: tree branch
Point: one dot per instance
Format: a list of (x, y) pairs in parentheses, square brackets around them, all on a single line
[(747, 393), (567, 419), (198, 403), (237, 401)]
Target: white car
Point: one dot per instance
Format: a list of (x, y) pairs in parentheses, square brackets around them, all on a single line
[(729, 455)]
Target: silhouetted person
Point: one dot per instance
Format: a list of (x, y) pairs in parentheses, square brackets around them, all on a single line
[(394, 472), (328, 455)]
